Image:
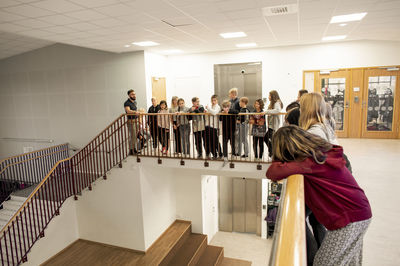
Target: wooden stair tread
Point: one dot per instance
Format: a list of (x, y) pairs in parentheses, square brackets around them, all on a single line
[(234, 262), (189, 249), (211, 256), (164, 244)]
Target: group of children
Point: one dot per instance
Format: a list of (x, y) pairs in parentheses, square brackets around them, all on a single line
[(337, 209), (232, 121)]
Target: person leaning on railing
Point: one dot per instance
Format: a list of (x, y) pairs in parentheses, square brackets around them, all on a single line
[(131, 108), (330, 191)]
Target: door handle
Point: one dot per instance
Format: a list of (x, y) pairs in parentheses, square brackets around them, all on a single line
[(346, 105)]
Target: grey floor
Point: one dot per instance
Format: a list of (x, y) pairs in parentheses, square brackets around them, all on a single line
[(376, 167), (244, 246)]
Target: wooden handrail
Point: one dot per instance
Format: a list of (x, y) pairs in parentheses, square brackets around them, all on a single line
[(30, 159), (25, 154), (32, 194), (290, 237)]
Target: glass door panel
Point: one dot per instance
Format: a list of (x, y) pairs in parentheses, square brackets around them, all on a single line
[(381, 91), (334, 87), (333, 90)]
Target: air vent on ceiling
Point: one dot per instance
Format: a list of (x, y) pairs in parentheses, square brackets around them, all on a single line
[(280, 10)]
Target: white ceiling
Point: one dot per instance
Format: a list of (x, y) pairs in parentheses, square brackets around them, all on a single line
[(110, 24)]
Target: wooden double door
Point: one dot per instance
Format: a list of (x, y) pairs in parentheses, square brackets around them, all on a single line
[(365, 101)]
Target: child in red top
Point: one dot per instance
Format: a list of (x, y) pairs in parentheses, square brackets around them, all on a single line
[(330, 190)]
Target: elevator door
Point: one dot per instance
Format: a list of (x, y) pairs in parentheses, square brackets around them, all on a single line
[(239, 205)]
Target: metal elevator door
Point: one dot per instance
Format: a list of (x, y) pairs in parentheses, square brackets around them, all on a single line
[(240, 205)]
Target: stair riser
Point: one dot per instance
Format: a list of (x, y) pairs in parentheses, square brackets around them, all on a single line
[(177, 246), (220, 258), (198, 253)]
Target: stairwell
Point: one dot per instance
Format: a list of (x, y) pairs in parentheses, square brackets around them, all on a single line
[(177, 246)]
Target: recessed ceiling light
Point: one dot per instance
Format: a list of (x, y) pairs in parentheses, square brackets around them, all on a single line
[(342, 24), (334, 38), (347, 18), (173, 51), (127, 45), (146, 43), (246, 45), (228, 35)]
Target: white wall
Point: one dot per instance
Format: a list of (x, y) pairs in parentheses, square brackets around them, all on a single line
[(158, 201), (193, 75), (112, 212), (62, 231), (65, 93), (209, 191)]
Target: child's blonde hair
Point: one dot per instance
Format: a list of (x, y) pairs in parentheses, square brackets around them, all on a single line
[(312, 110), (226, 104), (244, 100), (233, 91), (174, 98)]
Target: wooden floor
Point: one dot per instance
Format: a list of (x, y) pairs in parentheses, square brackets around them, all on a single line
[(176, 246)]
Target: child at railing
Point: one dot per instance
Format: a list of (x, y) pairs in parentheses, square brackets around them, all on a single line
[(228, 128), (184, 127), (173, 109), (259, 129), (243, 123), (163, 127), (275, 106), (212, 126), (330, 191), (198, 125)]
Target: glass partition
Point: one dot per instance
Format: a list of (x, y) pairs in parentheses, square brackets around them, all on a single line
[(333, 90), (381, 91)]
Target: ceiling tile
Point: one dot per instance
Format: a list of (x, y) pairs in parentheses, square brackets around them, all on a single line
[(59, 20), (95, 3), (108, 22), (28, 11), (86, 15), (83, 26), (36, 33), (6, 3), (33, 23), (8, 17), (60, 29), (11, 27), (117, 10), (59, 6)]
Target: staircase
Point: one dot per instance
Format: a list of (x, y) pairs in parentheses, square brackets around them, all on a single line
[(10, 207), (178, 246)]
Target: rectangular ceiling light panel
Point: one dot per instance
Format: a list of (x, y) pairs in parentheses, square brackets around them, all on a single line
[(146, 43), (228, 35), (348, 18)]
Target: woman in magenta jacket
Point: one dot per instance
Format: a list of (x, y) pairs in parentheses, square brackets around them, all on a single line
[(330, 190)]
